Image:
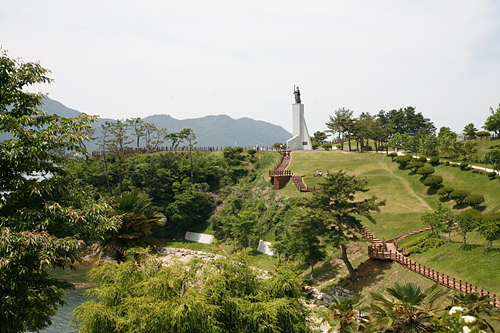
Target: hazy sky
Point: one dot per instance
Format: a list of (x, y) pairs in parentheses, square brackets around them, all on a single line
[(189, 59)]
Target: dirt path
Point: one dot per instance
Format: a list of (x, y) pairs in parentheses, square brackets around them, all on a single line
[(406, 186)]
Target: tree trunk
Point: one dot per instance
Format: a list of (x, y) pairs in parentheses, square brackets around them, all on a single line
[(346, 261), (312, 270)]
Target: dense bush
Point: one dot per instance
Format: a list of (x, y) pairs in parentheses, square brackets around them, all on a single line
[(434, 161), (433, 181), (422, 243), (402, 161), (446, 163), (492, 174), (392, 155), (474, 200), (425, 171), (327, 146), (414, 166), (422, 159), (459, 196), (445, 191), (464, 166)]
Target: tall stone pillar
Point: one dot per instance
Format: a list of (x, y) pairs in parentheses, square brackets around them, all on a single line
[(301, 139)]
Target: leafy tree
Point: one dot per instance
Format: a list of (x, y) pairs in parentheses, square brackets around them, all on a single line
[(341, 212), (409, 309), (474, 200), (44, 213), (137, 218), (425, 171), (303, 237), (433, 181), (489, 228), (493, 156), (469, 149), (142, 295), (137, 126), (467, 221), (187, 135), (470, 130), (445, 139), (153, 136), (438, 219), (406, 121), (459, 196), (492, 123), (320, 137), (342, 123), (117, 145)]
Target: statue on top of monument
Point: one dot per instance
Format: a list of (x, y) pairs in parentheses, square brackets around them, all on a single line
[(296, 92)]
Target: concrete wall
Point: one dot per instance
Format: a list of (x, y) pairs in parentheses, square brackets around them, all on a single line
[(199, 238), (264, 247)]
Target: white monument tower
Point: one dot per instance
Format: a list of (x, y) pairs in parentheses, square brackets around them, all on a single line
[(301, 139)]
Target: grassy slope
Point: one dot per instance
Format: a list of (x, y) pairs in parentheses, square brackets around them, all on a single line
[(407, 199)]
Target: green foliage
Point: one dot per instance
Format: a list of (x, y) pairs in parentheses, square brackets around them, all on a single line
[(252, 152), (489, 228), (459, 196), (434, 161), (474, 200), (402, 161), (392, 155), (492, 123), (470, 130), (44, 213), (433, 181), (425, 171), (414, 166), (467, 221), (422, 243), (327, 146), (409, 308), (445, 191), (141, 295)]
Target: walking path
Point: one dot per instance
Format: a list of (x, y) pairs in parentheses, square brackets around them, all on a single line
[(281, 171), (388, 249)]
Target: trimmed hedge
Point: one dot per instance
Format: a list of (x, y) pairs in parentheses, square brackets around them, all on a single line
[(425, 171), (445, 191), (474, 200), (434, 161), (459, 196), (433, 181)]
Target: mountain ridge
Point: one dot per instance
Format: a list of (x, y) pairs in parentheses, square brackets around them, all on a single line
[(211, 130)]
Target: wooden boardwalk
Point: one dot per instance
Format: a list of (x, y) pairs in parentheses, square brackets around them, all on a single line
[(388, 250)]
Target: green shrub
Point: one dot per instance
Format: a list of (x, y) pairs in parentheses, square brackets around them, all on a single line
[(474, 200), (251, 151), (327, 146), (414, 166), (492, 174), (445, 191), (459, 196), (422, 243), (425, 171), (422, 159), (434, 161), (392, 155), (402, 161), (464, 166), (433, 181), (446, 163)]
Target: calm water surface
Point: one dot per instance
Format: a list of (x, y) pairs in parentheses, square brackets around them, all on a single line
[(73, 298)]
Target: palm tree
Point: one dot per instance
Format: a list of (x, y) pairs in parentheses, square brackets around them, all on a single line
[(476, 306), (137, 219), (345, 316), (410, 308)]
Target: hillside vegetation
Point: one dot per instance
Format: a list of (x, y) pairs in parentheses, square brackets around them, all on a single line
[(407, 199)]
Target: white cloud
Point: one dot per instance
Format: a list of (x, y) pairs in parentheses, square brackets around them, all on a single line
[(189, 59)]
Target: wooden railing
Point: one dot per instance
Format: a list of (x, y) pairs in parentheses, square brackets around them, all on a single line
[(180, 148), (381, 251), (280, 173)]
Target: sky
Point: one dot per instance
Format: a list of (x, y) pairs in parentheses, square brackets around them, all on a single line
[(128, 58)]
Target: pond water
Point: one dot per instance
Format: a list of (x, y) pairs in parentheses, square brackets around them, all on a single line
[(73, 298)]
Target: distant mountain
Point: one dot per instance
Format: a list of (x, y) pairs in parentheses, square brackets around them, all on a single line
[(212, 131)]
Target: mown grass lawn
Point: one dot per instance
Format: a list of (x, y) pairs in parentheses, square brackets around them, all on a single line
[(406, 200)]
